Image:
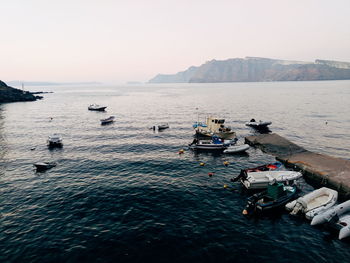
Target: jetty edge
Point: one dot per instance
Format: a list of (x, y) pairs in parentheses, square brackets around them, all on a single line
[(321, 169)]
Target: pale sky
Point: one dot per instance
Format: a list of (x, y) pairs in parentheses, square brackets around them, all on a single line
[(118, 41)]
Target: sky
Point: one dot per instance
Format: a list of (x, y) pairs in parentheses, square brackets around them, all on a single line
[(114, 41)]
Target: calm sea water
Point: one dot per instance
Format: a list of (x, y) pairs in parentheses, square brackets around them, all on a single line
[(122, 193)]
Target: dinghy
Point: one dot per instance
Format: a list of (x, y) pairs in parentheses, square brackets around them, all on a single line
[(214, 144), (163, 126), (331, 213), (277, 195), (54, 141), (260, 180), (110, 119), (258, 124), (42, 166), (313, 203), (96, 107), (261, 168), (237, 148), (343, 224)]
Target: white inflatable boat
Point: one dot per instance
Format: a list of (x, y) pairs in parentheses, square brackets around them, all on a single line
[(313, 203), (260, 180), (237, 148), (328, 215)]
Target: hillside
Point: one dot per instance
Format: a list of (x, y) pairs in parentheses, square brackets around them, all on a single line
[(9, 94), (259, 69)]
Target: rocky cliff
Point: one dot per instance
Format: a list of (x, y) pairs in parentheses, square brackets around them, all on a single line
[(9, 94), (259, 69)]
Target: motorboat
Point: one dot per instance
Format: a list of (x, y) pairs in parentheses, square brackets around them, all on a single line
[(215, 143), (42, 166), (260, 180), (313, 203), (96, 107), (213, 127), (110, 119), (54, 141), (261, 168), (258, 124), (276, 196), (163, 126), (237, 148)]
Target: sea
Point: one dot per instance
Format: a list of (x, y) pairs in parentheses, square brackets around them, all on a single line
[(123, 193)]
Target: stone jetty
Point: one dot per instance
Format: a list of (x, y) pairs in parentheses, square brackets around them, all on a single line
[(321, 169)]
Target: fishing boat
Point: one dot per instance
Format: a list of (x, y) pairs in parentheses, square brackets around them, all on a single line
[(237, 148), (110, 119), (258, 124), (42, 166), (276, 196), (261, 168), (96, 107), (313, 203), (214, 127), (54, 141), (260, 180), (215, 143)]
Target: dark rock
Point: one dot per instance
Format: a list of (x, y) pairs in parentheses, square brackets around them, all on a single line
[(9, 94)]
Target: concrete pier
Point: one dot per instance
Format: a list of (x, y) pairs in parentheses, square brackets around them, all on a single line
[(321, 169)]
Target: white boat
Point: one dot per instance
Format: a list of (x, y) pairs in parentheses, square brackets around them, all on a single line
[(313, 203), (54, 140), (97, 107), (333, 212), (110, 119), (260, 180), (42, 166), (211, 144), (258, 124), (343, 224), (214, 127), (237, 148)]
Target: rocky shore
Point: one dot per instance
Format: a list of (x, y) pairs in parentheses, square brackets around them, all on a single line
[(9, 94)]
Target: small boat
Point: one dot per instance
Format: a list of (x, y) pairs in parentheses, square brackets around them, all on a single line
[(237, 148), (276, 196), (313, 203), (213, 127), (42, 166), (54, 141), (331, 213), (343, 224), (260, 180), (110, 119), (258, 124), (96, 107), (163, 126), (212, 144), (261, 168)]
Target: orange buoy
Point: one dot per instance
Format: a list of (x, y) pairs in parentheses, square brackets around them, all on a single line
[(226, 163), (225, 186), (210, 174), (201, 164), (181, 151), (245, 212)]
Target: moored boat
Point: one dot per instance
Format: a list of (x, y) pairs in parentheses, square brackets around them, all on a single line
[(276, 196), (237, 148), (42, 166), (209, 144), (110, 119), (313, 203), (331, 213), (54, 141), (261, 180), (163, 126), (258, 124), (260, 168), (214, 127), (96, 107)]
